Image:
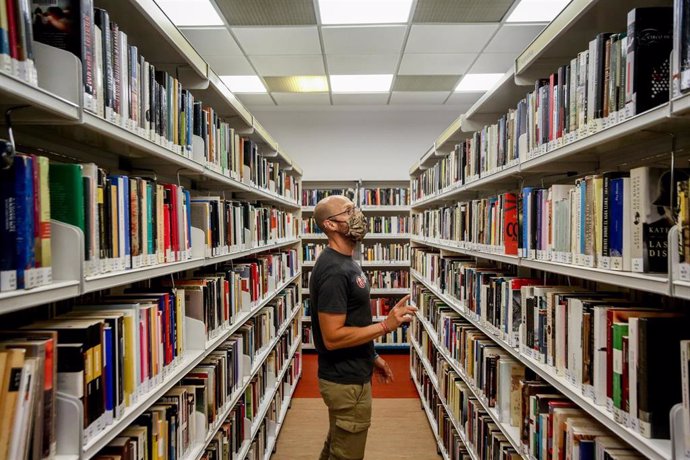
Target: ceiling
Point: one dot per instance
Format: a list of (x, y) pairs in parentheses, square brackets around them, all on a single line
[(442, 41)]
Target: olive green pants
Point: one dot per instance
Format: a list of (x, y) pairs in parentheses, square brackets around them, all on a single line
[(349, 413)]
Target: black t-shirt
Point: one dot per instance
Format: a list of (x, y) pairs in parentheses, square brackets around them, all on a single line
[(338, 285)]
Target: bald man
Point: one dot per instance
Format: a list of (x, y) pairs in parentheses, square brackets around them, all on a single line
[(344, 332)]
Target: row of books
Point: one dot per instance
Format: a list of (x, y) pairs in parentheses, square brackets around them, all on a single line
[(181, 419), (121, 86), (393, 252), (477, 432), (310, 251), (388, 279), (16, 41), (231, 226), (220, 447), (589, 223), (621, 74), (384, 196), (617, 221), (388, 224), (482, 222), (25, 213), (307, 334), (548, 425), (310, 197), (128, 222), (575, 332), (112, 351)]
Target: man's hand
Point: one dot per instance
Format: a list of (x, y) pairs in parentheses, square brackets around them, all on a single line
[(383, 371), (400, 314)]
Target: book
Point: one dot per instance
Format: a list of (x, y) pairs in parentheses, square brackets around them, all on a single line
[(649, 45)]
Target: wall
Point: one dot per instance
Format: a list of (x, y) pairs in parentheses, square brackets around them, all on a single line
[(346, 143)]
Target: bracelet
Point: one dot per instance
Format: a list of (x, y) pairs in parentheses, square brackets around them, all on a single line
[(384, 327)]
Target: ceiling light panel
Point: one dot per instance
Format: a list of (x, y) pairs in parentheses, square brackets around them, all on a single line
[(191, 12), (478, 82), (537, 10), (297, 84), (365, 11), (243, 83), (361, 83)]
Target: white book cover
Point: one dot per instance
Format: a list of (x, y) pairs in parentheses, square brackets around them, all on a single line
[(24, 410), (600, 372), (633, 353), (574, 363)]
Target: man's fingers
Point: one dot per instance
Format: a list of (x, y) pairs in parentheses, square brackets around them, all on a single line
[(403, 301), (410, 309)]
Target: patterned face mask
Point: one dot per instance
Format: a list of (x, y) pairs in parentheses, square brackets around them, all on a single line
[(357, 226)]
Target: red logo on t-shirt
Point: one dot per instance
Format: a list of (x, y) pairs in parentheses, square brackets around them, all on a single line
[(361, 281)]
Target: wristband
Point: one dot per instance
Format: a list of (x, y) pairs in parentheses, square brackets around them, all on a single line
[(384, 327)]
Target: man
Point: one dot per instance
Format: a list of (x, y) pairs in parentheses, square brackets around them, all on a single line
[(343, 330)]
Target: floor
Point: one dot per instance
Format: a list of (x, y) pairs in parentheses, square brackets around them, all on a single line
[(399, 428)]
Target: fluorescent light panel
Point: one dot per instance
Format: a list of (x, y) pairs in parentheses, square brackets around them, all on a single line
[(364, 11), (361, 83), (477, 82), (243, 83), (191, 12), (311, 84), (537, 10)]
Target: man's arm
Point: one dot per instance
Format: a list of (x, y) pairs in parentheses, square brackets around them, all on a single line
[(336, 335)]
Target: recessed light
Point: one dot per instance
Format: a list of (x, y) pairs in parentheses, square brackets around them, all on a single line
[(361, 83), (311, 84), (537, 10), (243, 83), (477, 82), (365, 11), (191, 12)]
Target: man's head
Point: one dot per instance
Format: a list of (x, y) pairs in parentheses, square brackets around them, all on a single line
[(337, 215)]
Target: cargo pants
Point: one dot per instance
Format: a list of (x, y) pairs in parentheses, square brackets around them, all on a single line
[(349, 414)]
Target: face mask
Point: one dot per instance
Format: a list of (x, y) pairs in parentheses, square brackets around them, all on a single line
[(357, 226)]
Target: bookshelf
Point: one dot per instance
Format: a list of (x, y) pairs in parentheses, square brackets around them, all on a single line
[(56, 120), (371, 205), (622, 141)]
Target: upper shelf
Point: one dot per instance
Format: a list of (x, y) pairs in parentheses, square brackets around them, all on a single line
[(570, 33), (494, 103), (155, 34)]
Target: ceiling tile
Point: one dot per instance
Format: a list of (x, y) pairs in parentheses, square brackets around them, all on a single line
[(278, 40), (513, 38), (363, 40), (450, 38), (361, 64), (459, 11), (288, 65), (302, 98), (360, 99), (212, 40), (229, 65), (419, 97), (464, 99), (267, 12), (435, 64), (255, 99), (493, 63), (425, 82)]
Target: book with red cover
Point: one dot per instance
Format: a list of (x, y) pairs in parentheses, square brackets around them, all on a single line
[(171, 200), (510, 224)]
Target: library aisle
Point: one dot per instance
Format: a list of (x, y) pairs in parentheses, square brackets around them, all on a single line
[(518, 169), (399, 427)]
